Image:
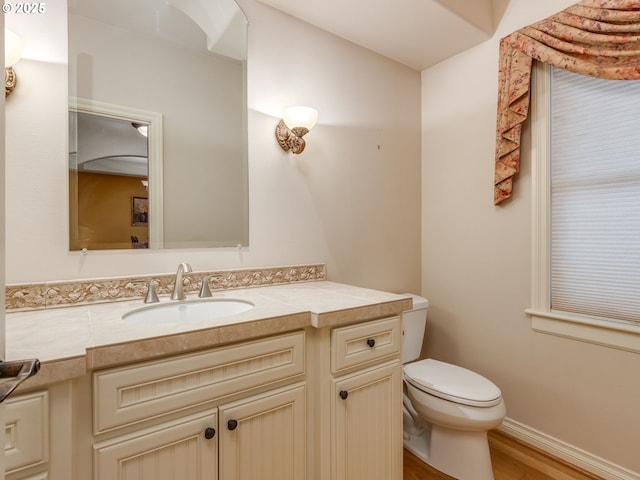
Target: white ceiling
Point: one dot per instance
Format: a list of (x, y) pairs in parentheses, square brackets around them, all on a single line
[(417, 33)]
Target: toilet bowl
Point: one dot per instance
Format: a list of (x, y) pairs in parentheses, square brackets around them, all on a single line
[(448, 410)]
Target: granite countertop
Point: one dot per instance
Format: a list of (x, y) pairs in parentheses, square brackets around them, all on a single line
[(71, 341)]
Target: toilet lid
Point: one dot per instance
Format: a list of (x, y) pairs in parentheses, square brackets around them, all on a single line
[(453, 383)]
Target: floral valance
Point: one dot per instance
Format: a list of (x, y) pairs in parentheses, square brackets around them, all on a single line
[(599, 38)]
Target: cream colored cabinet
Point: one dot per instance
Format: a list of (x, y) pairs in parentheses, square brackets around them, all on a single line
[(184, 449), (235, 412), (366, 416), (37, 434), (26, 435), (366, 438), (314, 404), (258, 437), (264, 437)]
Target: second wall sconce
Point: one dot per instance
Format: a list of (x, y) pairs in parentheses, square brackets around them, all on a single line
[(295, 124), (12, 53)]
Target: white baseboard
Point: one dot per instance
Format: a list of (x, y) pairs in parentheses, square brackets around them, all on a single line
[(568, 453)]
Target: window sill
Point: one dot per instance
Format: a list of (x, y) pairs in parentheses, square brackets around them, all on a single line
[(619, 335)]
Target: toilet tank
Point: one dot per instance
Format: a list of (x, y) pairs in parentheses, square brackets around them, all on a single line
[(414, 322)]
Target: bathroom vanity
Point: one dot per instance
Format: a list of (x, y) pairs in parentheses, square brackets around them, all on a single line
[(305, 385)]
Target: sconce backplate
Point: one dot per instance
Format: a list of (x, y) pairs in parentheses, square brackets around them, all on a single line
[(10, 80), (288, 140)]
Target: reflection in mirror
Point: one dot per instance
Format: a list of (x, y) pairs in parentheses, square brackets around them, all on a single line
[(114, 151), (185, 60), (108, 174)]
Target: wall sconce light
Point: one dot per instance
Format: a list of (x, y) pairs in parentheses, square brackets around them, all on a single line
[(295, 124), (12, 53)]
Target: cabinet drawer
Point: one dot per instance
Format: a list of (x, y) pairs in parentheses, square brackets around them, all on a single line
[(147, 390), (364, 343), (26, 431)]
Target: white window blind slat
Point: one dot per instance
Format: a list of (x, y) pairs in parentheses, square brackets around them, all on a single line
[(595, 196)]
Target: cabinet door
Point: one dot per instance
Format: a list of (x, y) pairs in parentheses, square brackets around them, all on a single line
[(184, 449), (264, 437), (26, 431), (367, 424)]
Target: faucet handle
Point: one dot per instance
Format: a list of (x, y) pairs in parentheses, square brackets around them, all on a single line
[(151, 296), (205, 291)]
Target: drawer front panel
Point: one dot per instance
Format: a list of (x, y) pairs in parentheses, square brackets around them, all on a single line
[(365, 343), (128, 395), (26, 431)]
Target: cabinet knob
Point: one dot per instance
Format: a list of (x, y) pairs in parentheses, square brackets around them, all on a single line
[(371, 342), (232, 424), (209, 433), (343, 394)]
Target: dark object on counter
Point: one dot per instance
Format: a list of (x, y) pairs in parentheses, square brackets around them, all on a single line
[(14, 373)]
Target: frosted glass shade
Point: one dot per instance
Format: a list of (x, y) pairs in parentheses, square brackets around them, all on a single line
[(300, 116), (12, 48)]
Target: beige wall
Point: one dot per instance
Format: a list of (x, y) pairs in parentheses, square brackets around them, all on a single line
[(351, 200), (476, 269)]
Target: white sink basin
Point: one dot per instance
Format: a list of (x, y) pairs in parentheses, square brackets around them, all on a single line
[(188, 311)]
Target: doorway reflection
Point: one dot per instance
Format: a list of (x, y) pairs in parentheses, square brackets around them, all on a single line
[(108, 183)]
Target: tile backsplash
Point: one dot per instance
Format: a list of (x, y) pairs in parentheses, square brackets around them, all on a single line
[(38, 296)]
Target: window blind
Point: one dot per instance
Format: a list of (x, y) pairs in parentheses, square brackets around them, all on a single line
[(595, 196)]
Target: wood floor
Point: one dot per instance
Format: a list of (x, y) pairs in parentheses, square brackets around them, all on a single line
[(512, 460)]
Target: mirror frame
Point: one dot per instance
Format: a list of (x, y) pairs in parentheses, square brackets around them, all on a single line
[(155, 165)]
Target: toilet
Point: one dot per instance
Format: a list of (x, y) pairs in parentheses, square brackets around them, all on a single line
[(447, 409)]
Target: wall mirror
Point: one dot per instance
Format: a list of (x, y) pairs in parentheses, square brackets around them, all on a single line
[(178, 68)]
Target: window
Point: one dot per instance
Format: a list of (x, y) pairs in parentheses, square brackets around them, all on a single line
[(586, 208)]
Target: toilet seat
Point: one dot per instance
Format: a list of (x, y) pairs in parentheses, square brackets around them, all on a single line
[(452, 383)]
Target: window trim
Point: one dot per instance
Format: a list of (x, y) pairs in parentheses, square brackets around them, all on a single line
[(615, 334)]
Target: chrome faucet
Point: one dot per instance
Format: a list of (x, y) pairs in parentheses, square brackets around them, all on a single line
[(178, 287)]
